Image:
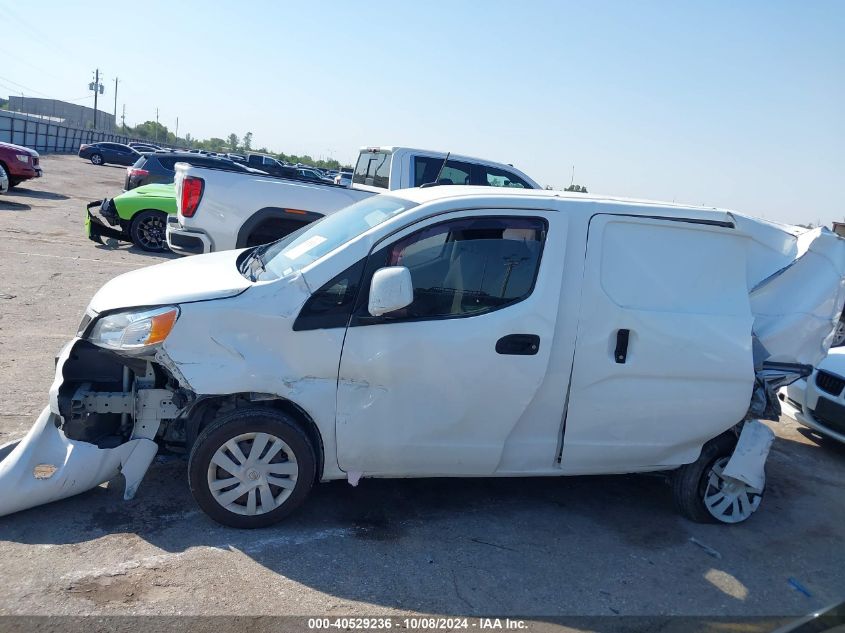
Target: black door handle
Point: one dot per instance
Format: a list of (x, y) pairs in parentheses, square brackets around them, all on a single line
[(621, 353), (518, 344)]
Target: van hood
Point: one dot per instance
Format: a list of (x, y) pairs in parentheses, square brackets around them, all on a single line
[(196, 278)]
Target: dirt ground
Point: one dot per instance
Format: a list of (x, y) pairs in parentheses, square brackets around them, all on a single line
[(597, 546)]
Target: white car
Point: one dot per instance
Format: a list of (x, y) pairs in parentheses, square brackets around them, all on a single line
[(444, 332), (819, 402)]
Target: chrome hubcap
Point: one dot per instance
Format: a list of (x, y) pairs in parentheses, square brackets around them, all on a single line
[(253, 473), (729, 500), (839, 335)]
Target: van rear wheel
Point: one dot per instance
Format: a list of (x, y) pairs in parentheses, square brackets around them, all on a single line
[(702, 494), (251, 468)]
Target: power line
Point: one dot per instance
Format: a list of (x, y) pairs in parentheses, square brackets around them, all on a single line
[(27, 63), (27, 88), (7, 87), (50, 41)]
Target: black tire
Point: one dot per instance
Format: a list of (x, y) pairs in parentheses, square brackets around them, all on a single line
[(689, 482), (245, 421), (5, 171), (147, 231), (14, 182), (97, 159)]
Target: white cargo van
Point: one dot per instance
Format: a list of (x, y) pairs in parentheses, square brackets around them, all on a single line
[(445, 331)]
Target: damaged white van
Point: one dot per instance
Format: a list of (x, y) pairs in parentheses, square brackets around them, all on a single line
[(445, 331)]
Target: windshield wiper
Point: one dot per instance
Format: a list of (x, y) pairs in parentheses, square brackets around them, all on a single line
[(254, 264)]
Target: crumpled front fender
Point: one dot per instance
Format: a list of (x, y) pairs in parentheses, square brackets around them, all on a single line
[(47, 466)]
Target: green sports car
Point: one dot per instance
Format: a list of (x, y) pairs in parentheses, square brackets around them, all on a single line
[(138, 216)]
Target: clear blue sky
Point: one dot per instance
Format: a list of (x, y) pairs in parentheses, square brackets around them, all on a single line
[(732, 104)]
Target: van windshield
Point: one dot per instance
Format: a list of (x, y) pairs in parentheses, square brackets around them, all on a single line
[(311, 242)]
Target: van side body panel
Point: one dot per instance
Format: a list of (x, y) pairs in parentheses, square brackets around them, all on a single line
[(663, 358)]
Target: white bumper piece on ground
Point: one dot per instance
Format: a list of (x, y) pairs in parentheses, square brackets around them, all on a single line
[(748, 462), (46, 466)]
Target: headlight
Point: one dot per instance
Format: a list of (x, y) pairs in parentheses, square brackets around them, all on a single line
[(24, 158), (134, 331)]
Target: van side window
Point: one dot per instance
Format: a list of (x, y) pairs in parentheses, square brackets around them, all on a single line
[(332, 304), (470, 266)]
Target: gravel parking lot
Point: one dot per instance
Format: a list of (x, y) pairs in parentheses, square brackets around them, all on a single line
[(596, 546)]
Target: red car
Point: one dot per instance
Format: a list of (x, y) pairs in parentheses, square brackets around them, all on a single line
[(19, 163)]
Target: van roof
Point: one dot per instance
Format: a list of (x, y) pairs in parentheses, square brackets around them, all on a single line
[(499, 194)]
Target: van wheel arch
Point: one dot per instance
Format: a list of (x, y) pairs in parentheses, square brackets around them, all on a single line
[(270, 224), (207, 409)]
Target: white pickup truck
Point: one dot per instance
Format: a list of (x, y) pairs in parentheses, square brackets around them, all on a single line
[(219, 211)]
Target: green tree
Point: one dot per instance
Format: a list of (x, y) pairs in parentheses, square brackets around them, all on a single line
[(247, 144), (153, 131), (233, 142), (213, 144)]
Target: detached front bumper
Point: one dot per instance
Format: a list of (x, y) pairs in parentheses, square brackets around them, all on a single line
[(96, 229), (46, 466), (91, 431)]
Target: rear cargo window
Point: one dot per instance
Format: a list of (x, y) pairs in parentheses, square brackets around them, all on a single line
[(373, 169)]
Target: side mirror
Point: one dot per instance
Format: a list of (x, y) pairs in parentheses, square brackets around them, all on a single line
[(390, 289)]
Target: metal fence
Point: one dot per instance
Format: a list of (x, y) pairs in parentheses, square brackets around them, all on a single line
[(49, 136)]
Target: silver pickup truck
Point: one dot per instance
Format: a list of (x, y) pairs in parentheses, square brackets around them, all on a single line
[(221, 210)]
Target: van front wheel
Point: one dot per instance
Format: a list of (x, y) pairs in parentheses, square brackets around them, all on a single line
[(251, 467), (702, 494)]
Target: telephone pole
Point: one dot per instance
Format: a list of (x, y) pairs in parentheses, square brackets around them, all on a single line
[(177, 129), (156, 125), (96, 88), (123, 118), (114, 123)]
